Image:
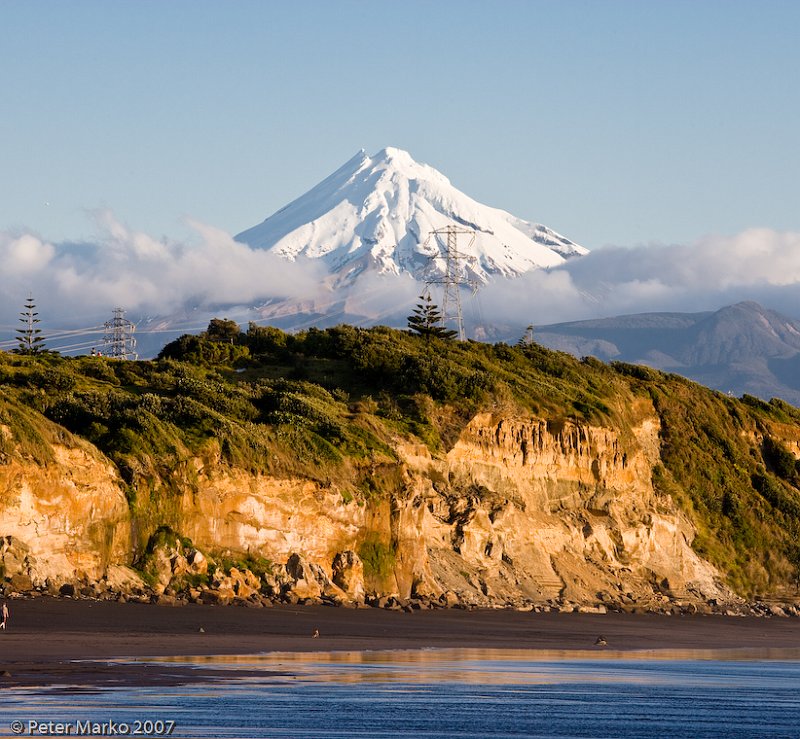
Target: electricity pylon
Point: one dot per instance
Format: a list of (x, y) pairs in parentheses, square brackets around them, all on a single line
[(118, 340), (454, 276)]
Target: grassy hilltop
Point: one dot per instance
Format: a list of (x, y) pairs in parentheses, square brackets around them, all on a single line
[(326, 404)]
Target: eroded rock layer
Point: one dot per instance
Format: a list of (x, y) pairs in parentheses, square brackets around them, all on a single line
[(520, 510)]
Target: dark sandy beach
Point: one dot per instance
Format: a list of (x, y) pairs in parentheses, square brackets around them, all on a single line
[(46, 635)]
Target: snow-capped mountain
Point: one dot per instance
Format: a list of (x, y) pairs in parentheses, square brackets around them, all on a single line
[(377, 214)]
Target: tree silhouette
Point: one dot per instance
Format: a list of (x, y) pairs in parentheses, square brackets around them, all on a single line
[(527, 338), (426, 320), (30, 339), (224, 330)]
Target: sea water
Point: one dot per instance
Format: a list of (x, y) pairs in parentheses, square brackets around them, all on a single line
[(435, 693)]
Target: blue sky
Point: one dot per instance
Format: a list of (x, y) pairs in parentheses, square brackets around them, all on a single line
[(613, 122)]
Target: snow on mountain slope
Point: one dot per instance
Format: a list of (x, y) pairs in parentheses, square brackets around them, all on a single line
[(377, 213)]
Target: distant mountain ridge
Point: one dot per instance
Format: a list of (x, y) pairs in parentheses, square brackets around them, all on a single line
[(377, 214), (742, 348)]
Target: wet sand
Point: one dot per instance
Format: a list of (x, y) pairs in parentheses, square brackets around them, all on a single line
[(46, 635)]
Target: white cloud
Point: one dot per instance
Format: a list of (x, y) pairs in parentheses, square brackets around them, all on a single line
[(757, 264), (82, 283), (130, 269), (384, 298), (24, 255)]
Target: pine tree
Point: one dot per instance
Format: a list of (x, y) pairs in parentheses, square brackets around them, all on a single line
[(426, 320), (30, 339), (527, 338)]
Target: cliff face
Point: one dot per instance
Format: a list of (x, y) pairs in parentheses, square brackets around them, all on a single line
[(567, 509), (65, 520), (230, 510), (518, 509)]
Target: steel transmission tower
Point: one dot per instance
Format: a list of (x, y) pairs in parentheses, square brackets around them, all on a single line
[(454, 276), (118, 340)]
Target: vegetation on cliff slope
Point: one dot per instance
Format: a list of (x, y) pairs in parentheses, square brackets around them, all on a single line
[(327, 405)]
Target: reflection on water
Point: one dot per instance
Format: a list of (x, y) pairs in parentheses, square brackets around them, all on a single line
[(423, 656), (455, 693), (475, 666)]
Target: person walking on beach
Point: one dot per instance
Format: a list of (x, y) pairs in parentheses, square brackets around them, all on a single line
[(4, 622)]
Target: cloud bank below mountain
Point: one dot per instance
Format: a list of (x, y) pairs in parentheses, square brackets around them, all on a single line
[(83, 282), (128, 268), (758, 264)]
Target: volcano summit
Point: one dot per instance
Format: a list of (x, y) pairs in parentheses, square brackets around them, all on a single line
[(376, 214)]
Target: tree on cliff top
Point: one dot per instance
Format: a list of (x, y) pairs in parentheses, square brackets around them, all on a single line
[(426, 320), (223, 330), (29, 339)]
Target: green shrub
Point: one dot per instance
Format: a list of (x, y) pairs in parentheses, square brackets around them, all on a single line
[(779, 459), (777, 495), (378, 558)]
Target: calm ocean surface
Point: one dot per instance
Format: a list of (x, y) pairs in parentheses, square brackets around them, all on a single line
[(449, 693)]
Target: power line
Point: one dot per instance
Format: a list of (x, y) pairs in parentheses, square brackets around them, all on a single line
[(75, 348), (54, 337)]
